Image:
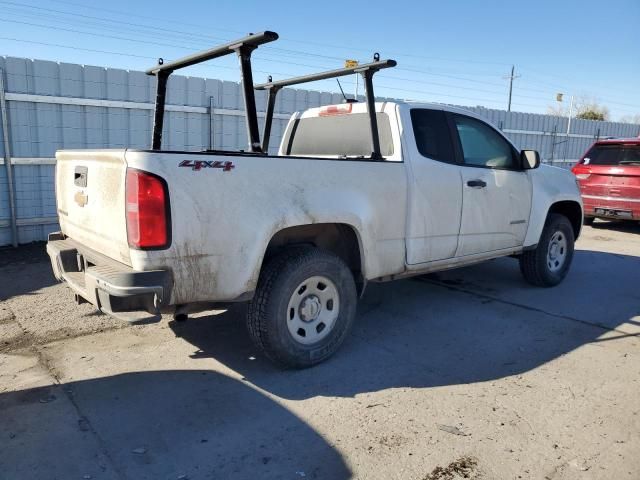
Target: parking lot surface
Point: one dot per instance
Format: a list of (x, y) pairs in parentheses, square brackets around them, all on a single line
[(469, 372)]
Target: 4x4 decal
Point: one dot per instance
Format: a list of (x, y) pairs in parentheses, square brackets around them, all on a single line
[(198, 165)]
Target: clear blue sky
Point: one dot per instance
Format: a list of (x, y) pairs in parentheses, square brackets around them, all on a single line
[(447, 51)]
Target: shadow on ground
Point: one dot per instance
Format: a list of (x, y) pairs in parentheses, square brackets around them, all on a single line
[(476, 324), (158, 425), (426, 332), (623, 226), (24, 270)]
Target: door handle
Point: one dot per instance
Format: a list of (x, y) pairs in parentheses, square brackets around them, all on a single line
[(477, 183)]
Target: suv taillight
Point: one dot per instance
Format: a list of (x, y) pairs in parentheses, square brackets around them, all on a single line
[(582, 172), (147, 210)]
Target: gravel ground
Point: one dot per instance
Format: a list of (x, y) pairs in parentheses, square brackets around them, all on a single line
[(470, 373)]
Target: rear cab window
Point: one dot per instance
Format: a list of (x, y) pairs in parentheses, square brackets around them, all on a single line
[(340, 132), (613, 154)]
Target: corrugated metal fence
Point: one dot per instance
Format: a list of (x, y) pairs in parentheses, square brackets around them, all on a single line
[(52, 105)]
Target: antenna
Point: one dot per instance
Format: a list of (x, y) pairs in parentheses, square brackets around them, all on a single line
[(346, 100)]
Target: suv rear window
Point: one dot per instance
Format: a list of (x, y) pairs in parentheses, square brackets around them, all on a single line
[(338, 135), (615, 154)]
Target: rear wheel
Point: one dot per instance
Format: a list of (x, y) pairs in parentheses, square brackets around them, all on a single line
[(303, 307), (548, 264)]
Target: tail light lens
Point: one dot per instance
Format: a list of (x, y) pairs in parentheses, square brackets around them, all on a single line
[(147, 210), (581, 171)]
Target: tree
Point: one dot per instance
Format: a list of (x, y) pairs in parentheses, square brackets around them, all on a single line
[(591, 115), (590, 109), (584, 106)]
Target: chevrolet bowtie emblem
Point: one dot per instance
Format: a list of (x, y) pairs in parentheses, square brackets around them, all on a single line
[(81, 198)]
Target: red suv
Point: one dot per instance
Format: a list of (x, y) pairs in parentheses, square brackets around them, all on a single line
[(609, 179)]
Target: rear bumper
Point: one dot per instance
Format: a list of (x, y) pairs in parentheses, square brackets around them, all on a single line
[(109, 285), (611, 207)]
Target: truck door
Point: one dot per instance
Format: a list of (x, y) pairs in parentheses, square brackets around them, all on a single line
[(496, 198), (435, 187)]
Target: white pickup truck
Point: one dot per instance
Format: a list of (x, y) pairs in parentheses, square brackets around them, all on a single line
[(299, 234)]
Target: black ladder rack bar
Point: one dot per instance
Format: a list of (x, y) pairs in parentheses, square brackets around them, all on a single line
[(367, 70), (268, 119), (243, 48), (340, 72)]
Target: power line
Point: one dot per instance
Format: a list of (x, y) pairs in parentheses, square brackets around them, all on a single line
[(265, 57), (165, 44), (393, 88), (564, 86), (300, 64), (292, 40), (210, 37), (173, 23), (103, 35), (284, 52), (92, 50), (110, 52)]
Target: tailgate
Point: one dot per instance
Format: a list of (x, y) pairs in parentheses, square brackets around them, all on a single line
[(611, 169), (90, 195), (625, 183), (614, 181)]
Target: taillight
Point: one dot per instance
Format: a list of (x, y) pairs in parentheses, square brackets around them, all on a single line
[(581, 171), (147, 210)]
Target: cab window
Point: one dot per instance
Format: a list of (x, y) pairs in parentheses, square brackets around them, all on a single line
[(432, 134), (482, 146)]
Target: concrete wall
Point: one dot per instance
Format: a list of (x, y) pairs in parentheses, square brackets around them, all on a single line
[(59, 105)]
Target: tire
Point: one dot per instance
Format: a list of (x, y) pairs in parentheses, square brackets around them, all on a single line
[(548, 264), (588, 220), (285, 318)]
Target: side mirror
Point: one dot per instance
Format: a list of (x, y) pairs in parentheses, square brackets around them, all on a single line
[(529, 159)]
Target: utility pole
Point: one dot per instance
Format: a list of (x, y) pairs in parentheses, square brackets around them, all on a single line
[(566, 142), (570, 115), (511, 78)]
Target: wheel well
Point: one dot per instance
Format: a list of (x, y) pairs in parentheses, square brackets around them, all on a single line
[(572, 211), (338, 238)]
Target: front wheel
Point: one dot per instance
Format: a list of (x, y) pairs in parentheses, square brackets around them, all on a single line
[(549, 262), (303, 307)]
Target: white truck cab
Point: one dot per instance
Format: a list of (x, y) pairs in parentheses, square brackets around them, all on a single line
[(358, 192)]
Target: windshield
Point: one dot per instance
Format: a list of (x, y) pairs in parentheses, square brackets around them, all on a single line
[(615, 154)]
